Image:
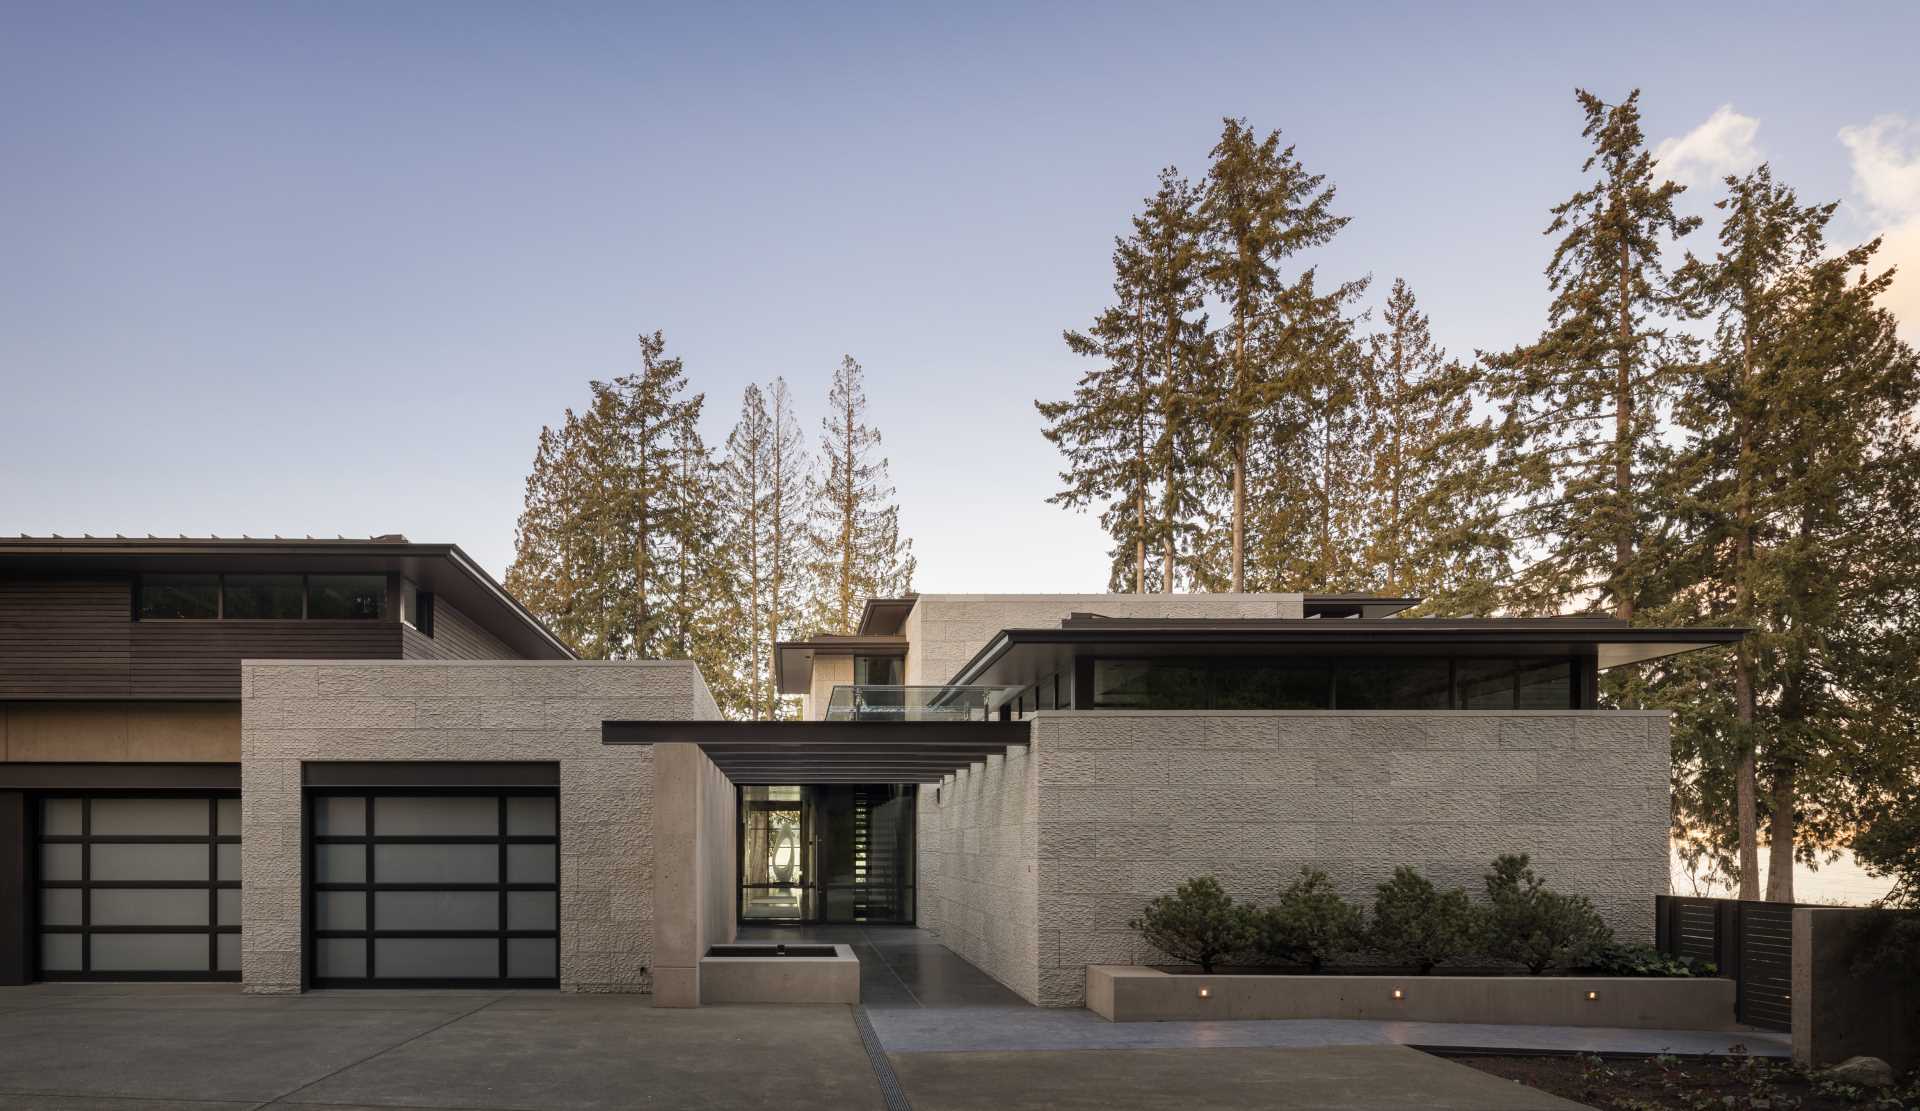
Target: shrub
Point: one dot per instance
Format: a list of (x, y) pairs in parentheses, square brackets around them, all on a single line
[(1644, 960), (1416, 923), (1536, 927), (1311, 923), (1197, 924)]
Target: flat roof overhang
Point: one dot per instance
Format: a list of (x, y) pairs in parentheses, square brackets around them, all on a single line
[(782, 752), (1013, 654), (793, 659)]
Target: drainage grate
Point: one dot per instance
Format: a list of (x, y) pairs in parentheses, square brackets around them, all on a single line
[(890, 1089)]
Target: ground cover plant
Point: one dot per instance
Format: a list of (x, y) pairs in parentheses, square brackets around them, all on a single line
[(1739, 1082)]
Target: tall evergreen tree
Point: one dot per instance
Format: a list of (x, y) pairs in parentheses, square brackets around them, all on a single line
[(1800, 446), (1105, 431), (1261, 207), (1429, 521), (1580, 402), (745, 494), (857, 550), (788, 512), (615, 545)]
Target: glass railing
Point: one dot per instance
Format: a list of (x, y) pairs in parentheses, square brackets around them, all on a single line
[(868, 702)]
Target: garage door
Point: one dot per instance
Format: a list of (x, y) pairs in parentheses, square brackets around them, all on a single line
[(414, 889), (139, 887)]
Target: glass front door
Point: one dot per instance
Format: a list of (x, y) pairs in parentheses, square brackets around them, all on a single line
[(827, 854)]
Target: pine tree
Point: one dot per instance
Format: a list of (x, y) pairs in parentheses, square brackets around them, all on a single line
[(857, 550), (1800, 449), (606, 519), (1580, 402), (1429, 514), (788, 510), (745, 495), (1261, 207)]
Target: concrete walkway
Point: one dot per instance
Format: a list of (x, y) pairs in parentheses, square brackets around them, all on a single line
[(936, 1030), (152, 1047)]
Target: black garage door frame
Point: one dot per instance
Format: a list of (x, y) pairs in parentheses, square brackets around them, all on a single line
[(371, 781)]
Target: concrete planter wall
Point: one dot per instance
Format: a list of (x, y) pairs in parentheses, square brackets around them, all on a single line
[(1131, 993)]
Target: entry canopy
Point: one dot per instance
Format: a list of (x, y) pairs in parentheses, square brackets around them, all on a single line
[(779, 752)]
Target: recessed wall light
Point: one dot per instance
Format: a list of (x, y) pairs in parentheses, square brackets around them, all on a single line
[(1398, 994), (1592, 995), (1204, 992)]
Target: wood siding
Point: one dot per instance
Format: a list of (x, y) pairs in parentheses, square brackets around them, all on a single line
[(76, 638), (455, 637), (65, 636), (201, 659)]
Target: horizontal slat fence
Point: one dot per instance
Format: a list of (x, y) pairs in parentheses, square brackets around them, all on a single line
[(1749, 941)]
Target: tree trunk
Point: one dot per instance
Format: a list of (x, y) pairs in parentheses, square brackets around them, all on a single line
[(1239, 451), (1746, 785), (1623, 448), (1780, 838)]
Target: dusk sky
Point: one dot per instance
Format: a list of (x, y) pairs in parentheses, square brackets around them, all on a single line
[(328, 268)]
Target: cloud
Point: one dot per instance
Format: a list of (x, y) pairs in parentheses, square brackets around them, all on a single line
[(1886, 176), (1723, 145)]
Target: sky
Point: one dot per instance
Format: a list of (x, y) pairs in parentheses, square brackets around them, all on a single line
[(327, 268)]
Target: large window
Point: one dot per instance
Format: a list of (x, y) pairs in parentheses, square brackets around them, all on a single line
[(879, 671), (184, 597), (264, 597), (1343, 683), (258, 597)]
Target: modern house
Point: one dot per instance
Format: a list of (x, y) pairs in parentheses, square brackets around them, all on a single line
[(309, 763)]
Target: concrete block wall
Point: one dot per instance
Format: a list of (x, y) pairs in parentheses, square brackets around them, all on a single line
[(294, 711), (945, 630), (1130, 804), (977, 841)]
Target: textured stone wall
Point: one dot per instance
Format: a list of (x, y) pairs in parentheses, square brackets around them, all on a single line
[(294, 711), (945, 630), (1129, 804), (978, 881)]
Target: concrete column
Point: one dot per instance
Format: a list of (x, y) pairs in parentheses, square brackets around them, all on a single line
[(679, 939)]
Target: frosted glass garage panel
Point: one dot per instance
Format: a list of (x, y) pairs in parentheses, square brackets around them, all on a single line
[(533, 817), (436, 817), (157, 863), (437, 958), (533, 864), (340, 863), (60, 862), (229, 952), (60, 952), (533, 910), (436, 863), (229, 861), (114, 906), (343, 957), (150, 817), (228, 824), (150, 952), (229, 906), (437, 910), (533, 958), (60, 817), (339, 910), (60, 906), (340, 817)]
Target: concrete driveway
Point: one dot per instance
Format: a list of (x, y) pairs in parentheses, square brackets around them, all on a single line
[(66, 1047)]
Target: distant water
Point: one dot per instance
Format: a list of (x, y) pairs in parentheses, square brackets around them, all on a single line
[(1842, 883)]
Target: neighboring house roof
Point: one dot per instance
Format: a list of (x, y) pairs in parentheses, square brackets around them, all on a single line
[(441, 568), (1613, 642)]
